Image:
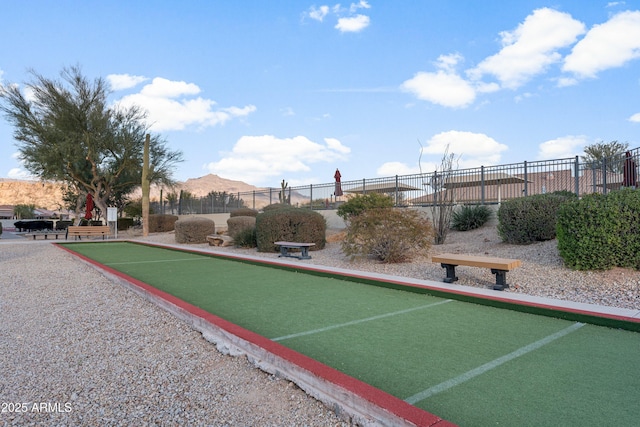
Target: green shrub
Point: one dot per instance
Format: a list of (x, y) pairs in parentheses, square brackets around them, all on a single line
[(293, 225), (243, 212), (470, 217), (601, 232), (275, 206), (194, 230), (124, 223), (162, 223), (389, 235), (238, 224), (530, 219), (246, 238), (358, 204)]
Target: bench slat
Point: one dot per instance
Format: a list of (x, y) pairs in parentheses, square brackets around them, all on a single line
[(90, 230), (477, 261)]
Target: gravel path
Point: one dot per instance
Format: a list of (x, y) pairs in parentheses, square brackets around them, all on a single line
[(78, 350)]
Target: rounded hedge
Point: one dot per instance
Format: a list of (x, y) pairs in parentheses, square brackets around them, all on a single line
[(243, 212), (194, 230), (530, 219), (237, 224), (161, 223), (600, 232), (292, 225)]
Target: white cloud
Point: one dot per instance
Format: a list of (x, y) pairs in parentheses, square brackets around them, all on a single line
[(353, 24), (17, 173), (170, 106), (319, 13), (635, 118), (473, 149), (561, 148), (124, 81), (348, 20), (444, 88), (608, 45), (530, 48), (362, 4), (256, 159), (398, 168)]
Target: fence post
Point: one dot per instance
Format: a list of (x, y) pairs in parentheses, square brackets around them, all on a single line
[(526, 180), (311, 196), (482, 198), (364, 180), (396, 191), (576, 168), (604, 175)]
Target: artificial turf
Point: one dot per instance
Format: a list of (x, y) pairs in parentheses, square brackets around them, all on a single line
[(405, 343)]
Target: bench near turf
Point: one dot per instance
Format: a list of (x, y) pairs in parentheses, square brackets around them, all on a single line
[(498, 266), (45, 234), (285, 246), (88, 230)]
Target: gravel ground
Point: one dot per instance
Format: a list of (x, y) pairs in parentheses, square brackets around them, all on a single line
[(78, 350)]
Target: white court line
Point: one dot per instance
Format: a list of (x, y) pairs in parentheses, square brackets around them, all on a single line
[(156, 260), (488, 366), (355, 322)]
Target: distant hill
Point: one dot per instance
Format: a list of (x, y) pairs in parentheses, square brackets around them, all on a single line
[(48, 195)]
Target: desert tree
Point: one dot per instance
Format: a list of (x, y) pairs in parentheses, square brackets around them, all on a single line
[(67, 131), (443, 195), (609, 155)]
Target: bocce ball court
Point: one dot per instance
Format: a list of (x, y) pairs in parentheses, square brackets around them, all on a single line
[(385, 346)]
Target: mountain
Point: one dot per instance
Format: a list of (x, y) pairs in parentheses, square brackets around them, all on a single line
[(42, 194), (48, 195)]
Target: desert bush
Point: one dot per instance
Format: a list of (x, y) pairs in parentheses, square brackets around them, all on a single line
[(470, 217), (530, 219), (356, 205), (243, 212), (245, 238), (161, 223), (194, 230), (387, 234), (238, 224), (293, 225), (600, 232), (124, 223), (274, 206)]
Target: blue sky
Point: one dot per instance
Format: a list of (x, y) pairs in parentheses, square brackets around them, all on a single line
[(264, 91)]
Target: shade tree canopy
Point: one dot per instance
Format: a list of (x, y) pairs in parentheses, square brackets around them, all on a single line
[(66, 130)]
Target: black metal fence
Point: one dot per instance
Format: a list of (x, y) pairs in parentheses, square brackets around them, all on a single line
[(481, 185)]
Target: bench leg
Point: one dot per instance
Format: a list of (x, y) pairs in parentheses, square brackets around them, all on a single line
[(451, 273), (501, 279), (304, 253), (284, 251)]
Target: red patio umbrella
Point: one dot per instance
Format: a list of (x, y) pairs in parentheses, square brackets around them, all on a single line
[(338, 191), (88, 207)]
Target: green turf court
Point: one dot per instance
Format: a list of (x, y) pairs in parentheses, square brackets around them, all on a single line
[(471, 364)]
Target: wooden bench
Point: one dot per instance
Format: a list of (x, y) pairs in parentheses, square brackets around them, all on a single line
[(498, 266), (285, 246), (45, 234), (88, 231)]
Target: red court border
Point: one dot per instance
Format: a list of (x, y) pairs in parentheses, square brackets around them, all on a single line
[(405, 412)]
